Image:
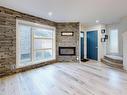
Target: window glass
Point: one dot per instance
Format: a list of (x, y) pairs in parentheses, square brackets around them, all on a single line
[(25, 44), (48, 54), (35, 44), (114, 41), (42, 43), (44, 33), (43, 55)]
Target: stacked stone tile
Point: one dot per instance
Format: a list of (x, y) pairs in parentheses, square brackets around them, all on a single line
[(8, 38), (67, 41)]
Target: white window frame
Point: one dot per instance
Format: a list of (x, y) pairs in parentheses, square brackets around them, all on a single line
[(18, 63)]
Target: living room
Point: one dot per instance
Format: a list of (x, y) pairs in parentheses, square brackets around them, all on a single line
[(66, 46)]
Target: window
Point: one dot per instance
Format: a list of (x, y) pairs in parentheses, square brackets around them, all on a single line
[(114, 41), (25, 44), (35, 43)]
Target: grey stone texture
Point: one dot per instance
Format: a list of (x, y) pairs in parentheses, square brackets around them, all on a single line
[(67, 41), (8, 38)]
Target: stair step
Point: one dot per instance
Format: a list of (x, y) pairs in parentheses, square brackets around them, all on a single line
[(114, 59), (112, 64)]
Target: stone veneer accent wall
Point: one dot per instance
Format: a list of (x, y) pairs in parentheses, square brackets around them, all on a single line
[(8, 39), (8, 36), (67, 41)]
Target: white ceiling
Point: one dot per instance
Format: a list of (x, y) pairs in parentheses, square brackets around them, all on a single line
[(84, 11)]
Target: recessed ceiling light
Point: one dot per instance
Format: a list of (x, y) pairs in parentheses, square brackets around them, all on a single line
[(50, 13), (97, 21)]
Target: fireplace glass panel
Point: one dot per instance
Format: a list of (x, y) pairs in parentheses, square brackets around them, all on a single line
[(67, 51)]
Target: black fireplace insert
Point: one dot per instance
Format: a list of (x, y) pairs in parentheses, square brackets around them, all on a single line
[(67, 51)]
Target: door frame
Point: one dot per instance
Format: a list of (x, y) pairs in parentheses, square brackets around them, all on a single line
[(97, 42), (84, 44)]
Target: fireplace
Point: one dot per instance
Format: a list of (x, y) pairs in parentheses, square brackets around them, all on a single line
[(67, 51)]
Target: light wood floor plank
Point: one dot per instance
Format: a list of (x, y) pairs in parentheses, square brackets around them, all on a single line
[(91, 78)]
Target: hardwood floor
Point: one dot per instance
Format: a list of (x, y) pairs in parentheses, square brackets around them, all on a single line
[(67, 79)]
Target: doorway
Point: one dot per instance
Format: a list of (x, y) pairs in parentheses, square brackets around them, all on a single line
[(82, 45), (92, 45)]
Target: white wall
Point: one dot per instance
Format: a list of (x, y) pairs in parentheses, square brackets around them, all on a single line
[(101, 46), (125, 50), (122, 27)]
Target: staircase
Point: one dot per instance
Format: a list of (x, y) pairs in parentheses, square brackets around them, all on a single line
[(113, 61)]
